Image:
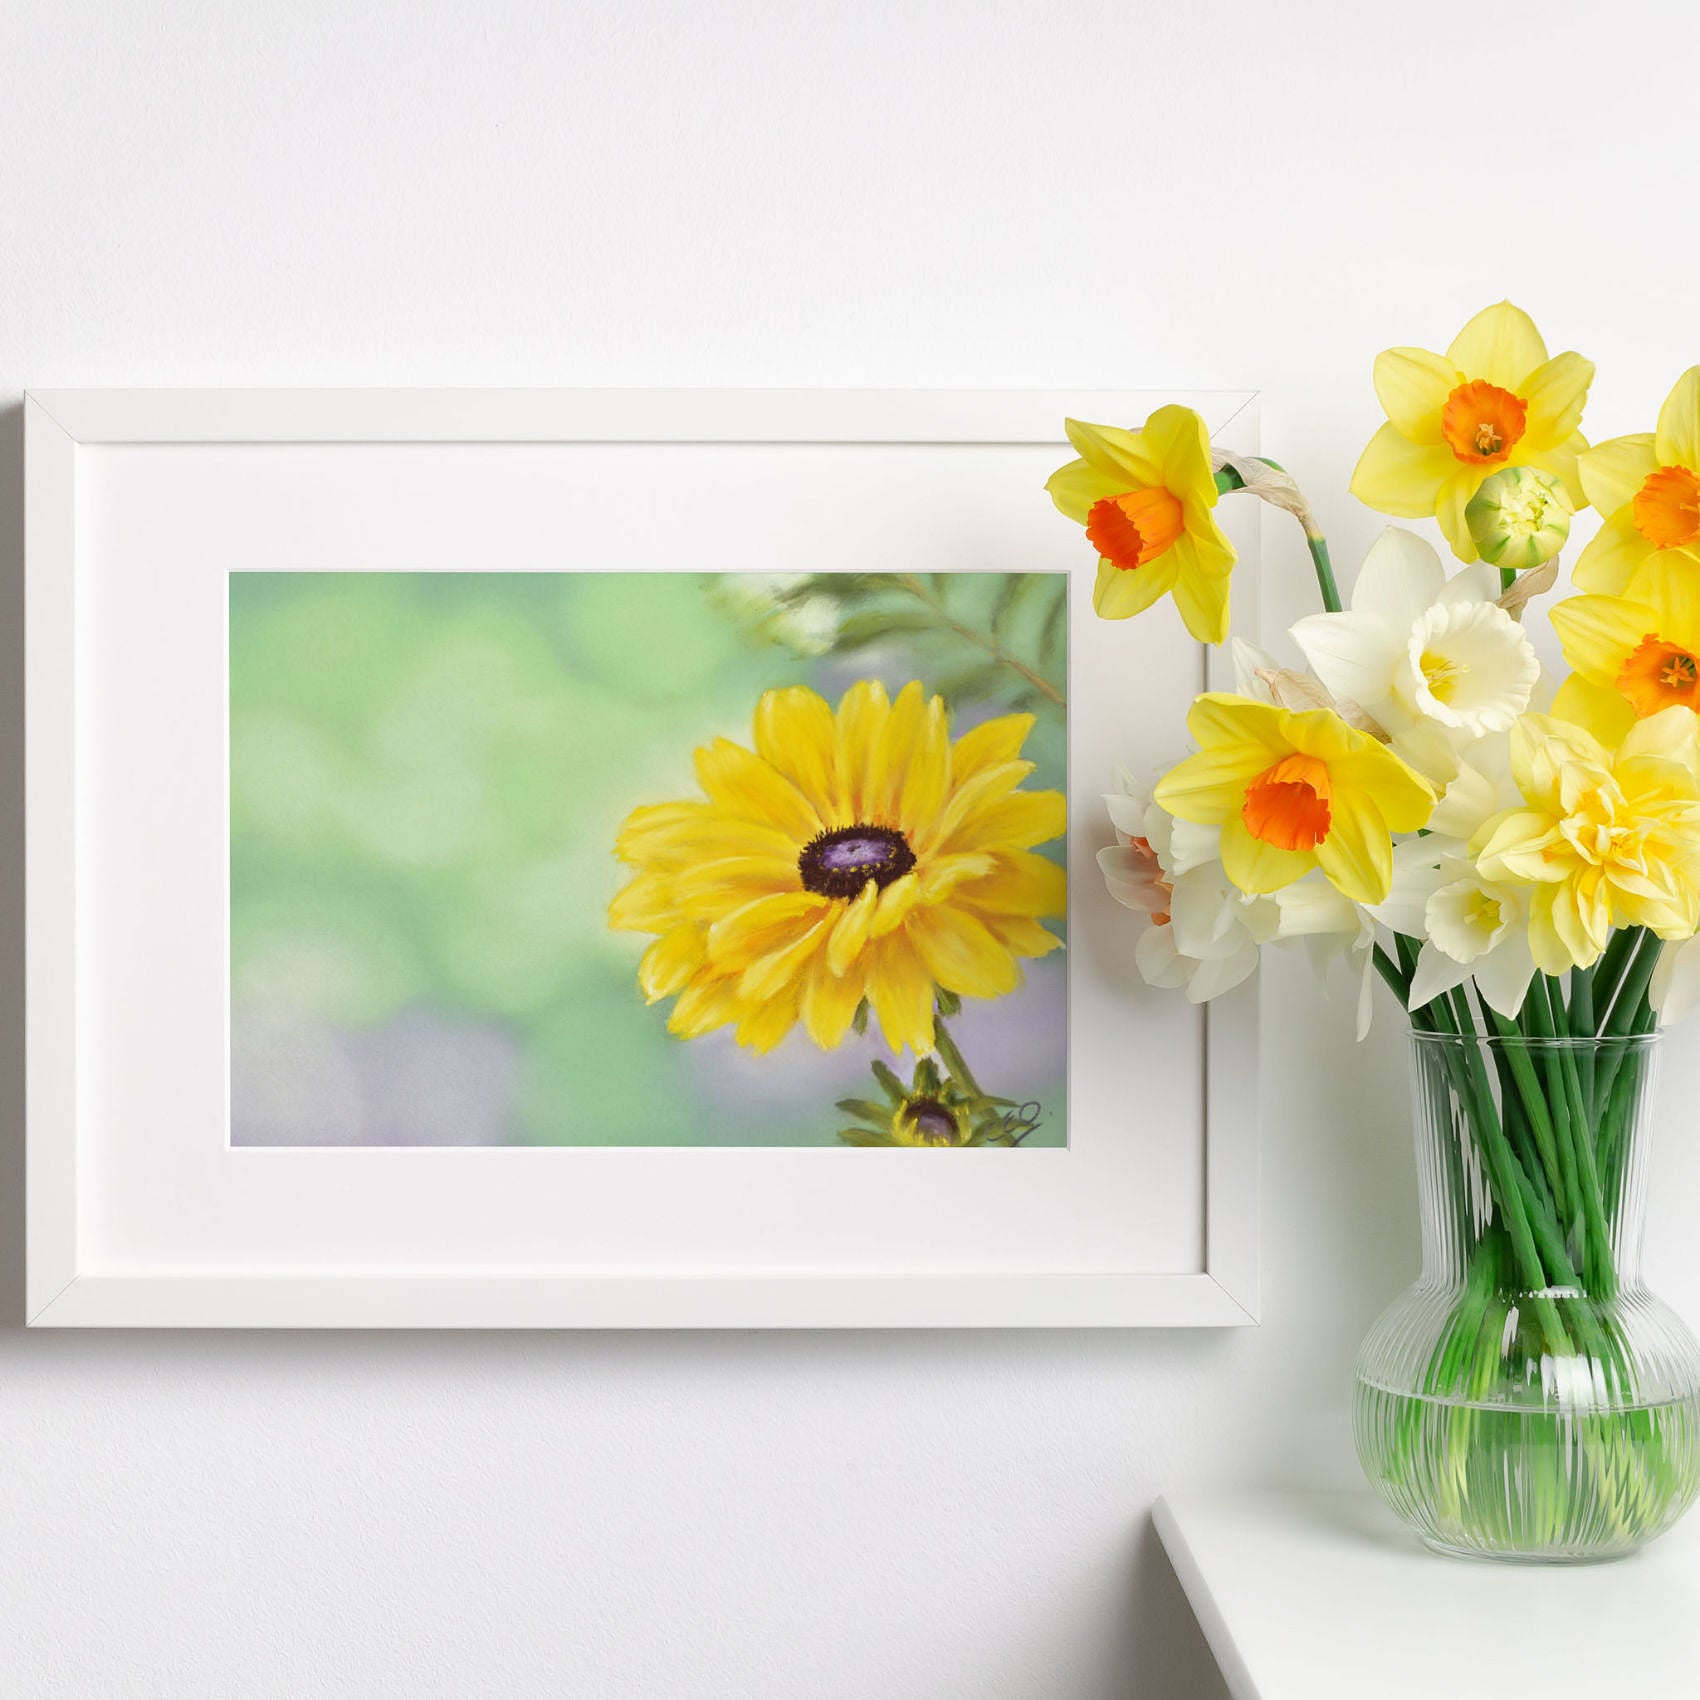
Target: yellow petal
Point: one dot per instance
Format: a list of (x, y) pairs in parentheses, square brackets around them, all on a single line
[(1357, 854), (862, 712), (961, 954), (1562, 460), (795, 734), (661, 833), (1255, 866), (1024, 937), (989, 745), (709, 1001), (1600, 708), (1119, 594), (1396, 476), (1556, 393), (742, 784), (829, 1003), (1176, 439), (1401, 795), (1500, 344), (926, 779), (1598, 633), (1412, 386), (1116, 453), (1021, 883), (892, 749), (1016, 822), (646, 905), (1614, 470), (769, 923), (850, 931), (1545, 944), (761, 1026), (1453, 498), (780, 970), (671, 961), (1208, 546), (901, 995), (1677, 440), (1078, 487), (1669, 582), (979, 791), (1202, 601), (895, 903), (939, 876), (1613, 558)]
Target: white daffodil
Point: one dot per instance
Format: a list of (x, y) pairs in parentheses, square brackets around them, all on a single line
[(1675, 989), (1471, 926), (1334, 928), (1434, 661), (1205, 932)]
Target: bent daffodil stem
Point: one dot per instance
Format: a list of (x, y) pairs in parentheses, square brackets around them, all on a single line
[(1271, 482)]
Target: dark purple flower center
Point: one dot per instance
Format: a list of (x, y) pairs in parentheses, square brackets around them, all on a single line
[(840, 863), (932, 1121)]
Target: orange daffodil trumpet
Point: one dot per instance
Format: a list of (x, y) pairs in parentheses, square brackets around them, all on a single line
[(1493, 399), (1145, 498), (1293, 792)]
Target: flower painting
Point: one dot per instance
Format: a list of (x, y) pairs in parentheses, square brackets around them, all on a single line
[(635, 858)]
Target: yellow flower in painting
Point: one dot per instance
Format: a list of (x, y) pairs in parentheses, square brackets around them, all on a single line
[(1145, 499), (1604, 839), (1647, 489), (1295, 791), (1631, 658), (1493, 399), (848, 856)]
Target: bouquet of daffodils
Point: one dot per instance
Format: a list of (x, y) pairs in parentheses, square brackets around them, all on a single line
[(1507, 852)]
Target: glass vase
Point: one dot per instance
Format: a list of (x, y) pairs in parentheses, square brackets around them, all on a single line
[(1528, 1398)]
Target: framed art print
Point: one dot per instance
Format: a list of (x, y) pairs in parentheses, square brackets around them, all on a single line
[(551, 858)]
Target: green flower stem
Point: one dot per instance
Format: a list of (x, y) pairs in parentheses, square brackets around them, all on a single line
[(1608, 971), (1538, 1011), (1628, 1008), (1534, 1105), (955, 1062)]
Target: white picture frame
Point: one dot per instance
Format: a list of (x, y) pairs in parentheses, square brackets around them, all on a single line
[(76, 1276)]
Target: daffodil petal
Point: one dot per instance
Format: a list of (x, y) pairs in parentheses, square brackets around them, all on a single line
[(1119, 594), (1598, 633), (1609, 563), (1176, 439), (1257, 867), (1078, 487), (1501, 345), (1202, 601), (1396, 476), (1611, 472), (1450, 502), (1412, 386), (1357, 854), (1677, 440), (1116, 453), (1600, 708), (1556, 392)]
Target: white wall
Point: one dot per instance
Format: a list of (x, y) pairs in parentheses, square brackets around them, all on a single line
[(825, 192)]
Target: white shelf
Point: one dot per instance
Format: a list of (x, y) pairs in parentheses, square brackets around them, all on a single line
[(1327, 1597)]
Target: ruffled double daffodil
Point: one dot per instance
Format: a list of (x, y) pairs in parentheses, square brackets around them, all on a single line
[(1293, 791), (1145, 498), (1647, 488), (1632, 658), (1492, 400), (1604, 838)]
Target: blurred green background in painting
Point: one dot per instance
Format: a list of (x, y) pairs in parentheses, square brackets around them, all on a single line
[(427, 772)]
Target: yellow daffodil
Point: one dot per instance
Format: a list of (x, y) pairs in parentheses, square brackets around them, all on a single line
[(1647, 489), (1145, 499), (1295, 791), (1632, 658), (1604, 839), (848, 856), (1492, 400)]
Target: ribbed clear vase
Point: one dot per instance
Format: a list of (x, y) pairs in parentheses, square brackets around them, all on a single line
[(1528, 1398)]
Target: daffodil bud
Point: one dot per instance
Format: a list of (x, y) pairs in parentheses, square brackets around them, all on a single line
[(1519, 518)]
